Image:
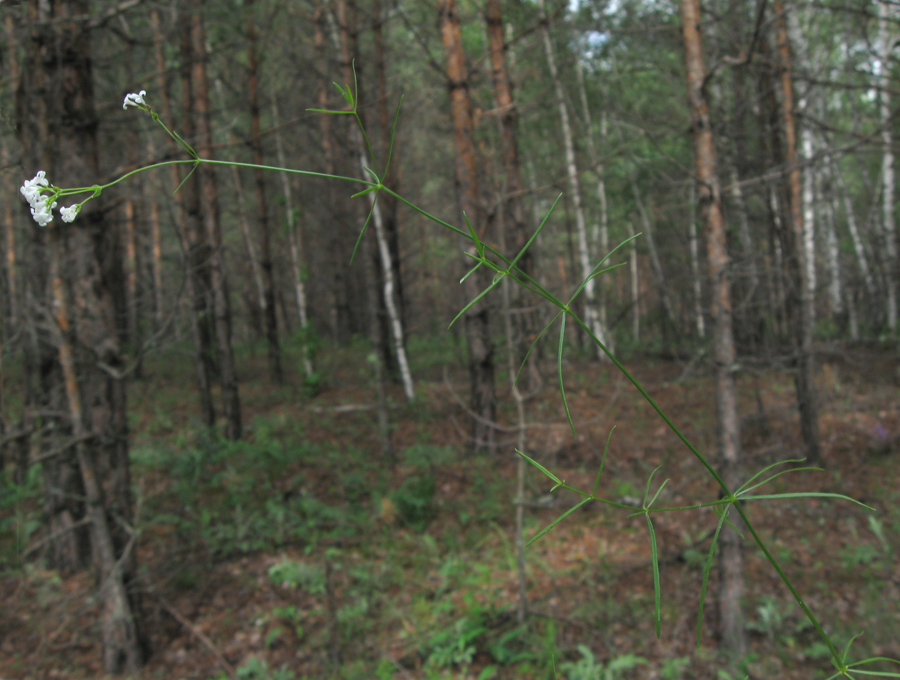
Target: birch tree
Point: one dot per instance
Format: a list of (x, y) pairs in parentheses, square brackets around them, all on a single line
[(591, 316)]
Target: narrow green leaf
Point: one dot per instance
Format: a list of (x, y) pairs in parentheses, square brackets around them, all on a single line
[(540, 467), (373, 174), (602, 461), (766, 469), (364, 192), (533, 345), (657, 595), (331, 111), (387, 163), (535, 234), (479, 246), (558, 520), (475, 300), (661, 487), (362, 233), (647, 488), (807, 494), (187, 177), (559, 373)]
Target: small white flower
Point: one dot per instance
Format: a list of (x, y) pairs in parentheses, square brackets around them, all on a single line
[(42, 214), (31, 188), (134, 99), (68, 214)]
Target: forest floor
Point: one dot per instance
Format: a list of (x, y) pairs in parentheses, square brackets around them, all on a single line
[(305, 552)]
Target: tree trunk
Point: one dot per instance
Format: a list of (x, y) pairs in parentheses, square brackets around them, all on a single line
[(887, 15), (392, 178), (599, 245), (591, 317), (339, 232), (695, 263), (477, 319), (731, 588), (298, 252), (270, 319), (231, 405), (511, 207), (383, 258), (800, 297), (61, 131), (859, 248), (194, 244)]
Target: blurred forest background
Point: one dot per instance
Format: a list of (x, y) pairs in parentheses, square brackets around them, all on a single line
[(227, 450)]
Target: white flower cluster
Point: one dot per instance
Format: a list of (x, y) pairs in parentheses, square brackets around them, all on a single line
[(41, 207), (135, 99)]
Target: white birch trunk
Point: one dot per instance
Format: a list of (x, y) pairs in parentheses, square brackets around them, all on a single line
[(886, 16), (801, 53), (833, 258), (384, 253), (599, 243), (591, 317), (387, 272), (809, 212)]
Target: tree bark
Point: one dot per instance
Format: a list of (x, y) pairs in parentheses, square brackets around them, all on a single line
[(477, 319), (511, 207), (887, 15), (270, 319), (599, 243), (800, 297), (392, 178), (194, 243), (731, 588), (383, 253), (231, 405), (298, 251), (58, 125)]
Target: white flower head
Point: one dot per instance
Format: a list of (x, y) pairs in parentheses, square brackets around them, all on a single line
[(31, 189), (42, 214), (40, 204), (135, 99), (68, 214)]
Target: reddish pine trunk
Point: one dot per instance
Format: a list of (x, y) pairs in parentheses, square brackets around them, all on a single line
[(195, 244), (477, 320), (731, 588)]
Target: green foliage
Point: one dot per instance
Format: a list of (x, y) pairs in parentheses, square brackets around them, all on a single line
[(293, 574), (588, 668), (673, 668), (20, 514), (258, 669), (455, 646), (415, 501)]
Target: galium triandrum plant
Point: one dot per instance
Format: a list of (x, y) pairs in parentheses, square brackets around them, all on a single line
[(42, 196)]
